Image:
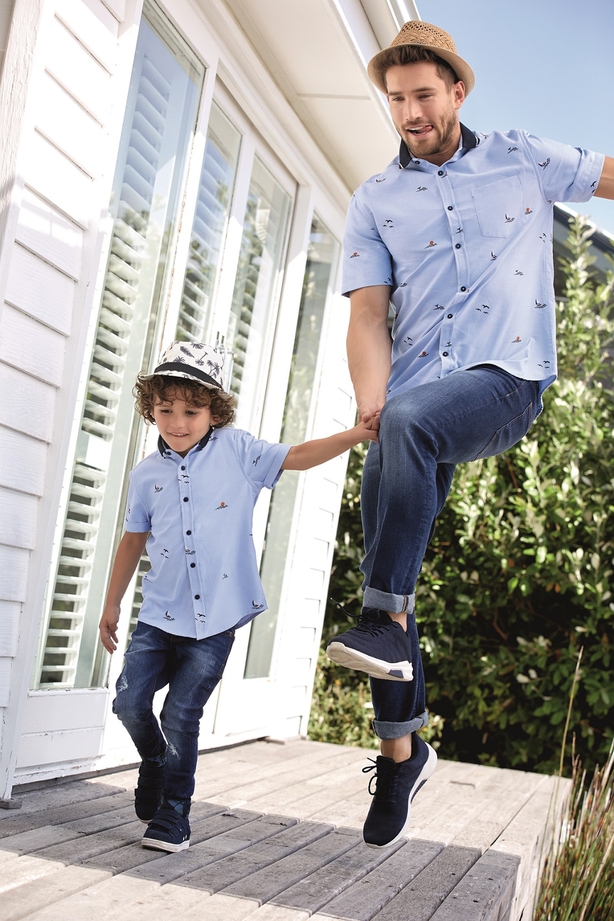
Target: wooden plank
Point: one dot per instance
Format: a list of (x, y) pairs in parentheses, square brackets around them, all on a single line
[(44, 357), (40, 290), (14, 564), (94, 27), (69, 127), (47, 233), (6, 667), (485, 893), (54, 176), (75, 68), (18, 522), (422, 897), (315, 891), (39, 839), (363, 900), (10, 616), (64, 794), (30, 409), (18, 871), (28, 476), (15, 823), (226, 833), (269, 881), (232, 869), (23, 901)]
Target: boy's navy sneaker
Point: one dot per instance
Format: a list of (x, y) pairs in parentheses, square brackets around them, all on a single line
[(149, 789), (377, 645), (169, 830), (396, 784)]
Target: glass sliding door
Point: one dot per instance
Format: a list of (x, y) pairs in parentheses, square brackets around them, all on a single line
[(158, 126), (321, 260), (257, 286)]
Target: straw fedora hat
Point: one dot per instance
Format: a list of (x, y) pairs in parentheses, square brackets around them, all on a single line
[(427, 36), (194, 361)]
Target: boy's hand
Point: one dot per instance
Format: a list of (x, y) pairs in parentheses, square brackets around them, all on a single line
[(366, 431), (108, 628), (369, 412)]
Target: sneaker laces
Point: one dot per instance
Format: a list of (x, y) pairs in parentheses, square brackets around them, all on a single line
[(369, 621), (385, 778)]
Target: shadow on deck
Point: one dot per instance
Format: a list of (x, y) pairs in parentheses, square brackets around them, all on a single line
[(276, 837)]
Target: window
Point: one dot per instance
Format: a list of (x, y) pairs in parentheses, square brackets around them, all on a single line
[(321, 260)]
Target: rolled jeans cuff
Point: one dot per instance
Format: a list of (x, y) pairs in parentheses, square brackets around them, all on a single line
[(387, 601), (386, 730)]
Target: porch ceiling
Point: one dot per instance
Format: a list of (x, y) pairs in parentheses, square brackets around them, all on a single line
[(319, 66)]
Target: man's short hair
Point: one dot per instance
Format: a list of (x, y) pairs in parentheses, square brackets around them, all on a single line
[(159, 388), (400, 55)]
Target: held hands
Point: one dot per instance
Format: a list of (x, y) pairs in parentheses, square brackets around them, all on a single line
[(108, 628), (369, 413), (364, 432)]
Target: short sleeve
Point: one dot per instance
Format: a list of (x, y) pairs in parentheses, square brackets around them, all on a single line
[(138, 518), (566, 173), (260, 459), (366, 259)]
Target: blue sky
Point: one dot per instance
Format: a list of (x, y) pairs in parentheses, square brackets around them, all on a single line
[(543, 65)]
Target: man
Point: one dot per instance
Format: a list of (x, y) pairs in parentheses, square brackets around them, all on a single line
[(456, 235)]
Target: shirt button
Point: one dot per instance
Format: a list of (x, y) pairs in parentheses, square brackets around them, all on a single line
[(188, 532), (185, 498), (440, 172), (450, 208), (197, 597), (450, 315), (192, 565), (445, 354), (457, 246), (183, 468), (463, 288)]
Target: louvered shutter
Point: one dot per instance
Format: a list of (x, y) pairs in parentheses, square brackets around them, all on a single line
[(160, 115)]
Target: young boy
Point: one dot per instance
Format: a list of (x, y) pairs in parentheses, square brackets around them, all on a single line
[(191, 502)]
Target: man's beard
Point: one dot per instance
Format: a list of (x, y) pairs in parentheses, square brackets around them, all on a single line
[(444, 134)]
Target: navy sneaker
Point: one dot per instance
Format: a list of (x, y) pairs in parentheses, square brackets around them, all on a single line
[(396, 784), (169, 830), (377, 645), (149, 789)]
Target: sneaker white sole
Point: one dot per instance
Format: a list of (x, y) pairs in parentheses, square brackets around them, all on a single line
[(428, 769), (361, 662), (155, 845)]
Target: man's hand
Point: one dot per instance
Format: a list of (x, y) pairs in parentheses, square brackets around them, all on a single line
[(108, 627), (369, 412)]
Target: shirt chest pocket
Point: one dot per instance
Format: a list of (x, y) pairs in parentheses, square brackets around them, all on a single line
[(498, 206)]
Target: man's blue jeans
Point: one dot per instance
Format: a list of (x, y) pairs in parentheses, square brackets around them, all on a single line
[(424, 433), (192, 669)]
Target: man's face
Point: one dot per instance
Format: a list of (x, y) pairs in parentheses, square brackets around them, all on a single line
[(424, 110)]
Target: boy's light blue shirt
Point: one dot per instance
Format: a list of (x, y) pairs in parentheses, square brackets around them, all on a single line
[(467, 249), (204, 574)]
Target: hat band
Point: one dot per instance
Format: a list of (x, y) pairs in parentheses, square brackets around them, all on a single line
[(184, 368)]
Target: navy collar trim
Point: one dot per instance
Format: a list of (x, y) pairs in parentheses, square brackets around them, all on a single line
[(469, 141), (165, 450)]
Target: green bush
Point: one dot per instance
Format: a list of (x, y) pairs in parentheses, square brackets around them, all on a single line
[(517, 577)]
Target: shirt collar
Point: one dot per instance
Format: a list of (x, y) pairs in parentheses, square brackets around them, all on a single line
[(468, 142), (165, 451)]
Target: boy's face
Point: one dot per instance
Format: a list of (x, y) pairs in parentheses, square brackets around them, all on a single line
[(181, 424)]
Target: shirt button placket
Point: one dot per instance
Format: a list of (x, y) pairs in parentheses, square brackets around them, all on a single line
[(190, 546)]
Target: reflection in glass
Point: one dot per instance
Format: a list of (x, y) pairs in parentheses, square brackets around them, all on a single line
[(321, 256), (210, 221), (256, 283)]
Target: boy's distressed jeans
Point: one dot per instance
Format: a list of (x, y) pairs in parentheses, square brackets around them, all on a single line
[(191, 668)]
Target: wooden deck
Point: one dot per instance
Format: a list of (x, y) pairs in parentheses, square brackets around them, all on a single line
[(276, 837)]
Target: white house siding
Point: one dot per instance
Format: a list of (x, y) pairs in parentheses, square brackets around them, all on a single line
[(63, 93), (65, 69)]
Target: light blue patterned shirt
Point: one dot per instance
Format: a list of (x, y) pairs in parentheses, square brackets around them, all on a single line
[(467, 250), (204, 573)]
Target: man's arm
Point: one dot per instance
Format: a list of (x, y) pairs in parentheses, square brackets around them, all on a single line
[(128, 554), (369, 347), (605, 189), (320, 450)]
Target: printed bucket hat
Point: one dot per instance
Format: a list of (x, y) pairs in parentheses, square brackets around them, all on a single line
[(195, 361)]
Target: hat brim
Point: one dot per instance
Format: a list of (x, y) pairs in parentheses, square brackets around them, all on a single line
[(460, 66)]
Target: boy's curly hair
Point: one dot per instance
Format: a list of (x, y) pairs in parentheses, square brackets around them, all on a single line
[(160, 388)]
